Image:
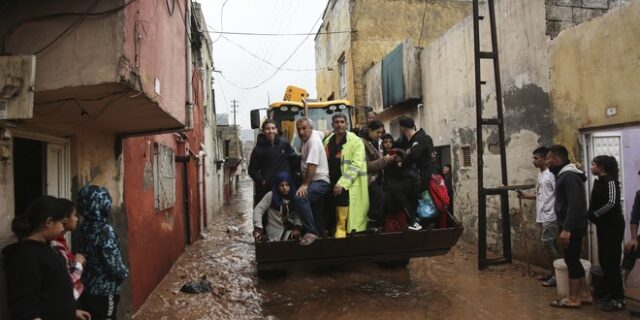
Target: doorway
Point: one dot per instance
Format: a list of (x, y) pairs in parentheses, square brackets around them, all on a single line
[(40, 167), (624, 145)]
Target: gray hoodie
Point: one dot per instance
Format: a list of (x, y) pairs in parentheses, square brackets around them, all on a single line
[(571, 201)]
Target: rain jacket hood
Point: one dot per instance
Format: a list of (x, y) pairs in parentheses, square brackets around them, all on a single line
[(94, 203)]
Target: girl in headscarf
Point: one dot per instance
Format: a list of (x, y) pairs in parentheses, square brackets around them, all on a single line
[(282, 223)]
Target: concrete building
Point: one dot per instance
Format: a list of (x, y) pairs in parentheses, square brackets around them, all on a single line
[(229, 136), (119, 102), (356, 34), (563, 70)]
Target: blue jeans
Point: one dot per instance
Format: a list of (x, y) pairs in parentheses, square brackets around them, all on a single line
[(309, 208)]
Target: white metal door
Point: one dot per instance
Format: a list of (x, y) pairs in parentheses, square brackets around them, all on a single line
[(57, 172)]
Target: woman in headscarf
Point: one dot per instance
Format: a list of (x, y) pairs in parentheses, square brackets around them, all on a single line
[(277, 205)]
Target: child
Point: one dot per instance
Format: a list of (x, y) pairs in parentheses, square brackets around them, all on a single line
[(278, 206), (74, 262), (605, 211), (104, 270), (38, 284)]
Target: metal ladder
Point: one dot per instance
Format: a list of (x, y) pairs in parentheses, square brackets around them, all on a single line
[(481, 123)]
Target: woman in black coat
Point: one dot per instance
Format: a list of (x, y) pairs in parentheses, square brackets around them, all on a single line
[(270, 156)]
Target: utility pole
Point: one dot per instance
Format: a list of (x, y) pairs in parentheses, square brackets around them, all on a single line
[(234, 110)]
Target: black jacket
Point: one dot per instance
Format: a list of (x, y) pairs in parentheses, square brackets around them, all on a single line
[(268, 159), (604, 207), (571, 202), (635, 211), (38, 282), (420, 148)]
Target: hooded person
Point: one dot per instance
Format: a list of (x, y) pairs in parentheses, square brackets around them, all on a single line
[(571, 215), (104, 270), (281, 221)]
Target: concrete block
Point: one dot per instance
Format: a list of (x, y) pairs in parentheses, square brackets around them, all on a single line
[(549, 2), (559, 13), (595, 4), (581, 15), (617, 3), (569, 3)]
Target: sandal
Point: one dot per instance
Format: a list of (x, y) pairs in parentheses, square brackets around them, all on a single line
[(564, 303)]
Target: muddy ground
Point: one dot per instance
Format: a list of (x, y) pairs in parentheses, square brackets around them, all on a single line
[(444, 287)]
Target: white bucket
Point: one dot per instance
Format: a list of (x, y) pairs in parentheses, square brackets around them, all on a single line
[(562, 275)]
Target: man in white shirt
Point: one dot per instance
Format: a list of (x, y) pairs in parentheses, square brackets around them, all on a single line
[(545, 214), (309, 198)]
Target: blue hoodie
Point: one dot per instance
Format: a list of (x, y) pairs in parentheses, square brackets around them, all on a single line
[(104, 269)]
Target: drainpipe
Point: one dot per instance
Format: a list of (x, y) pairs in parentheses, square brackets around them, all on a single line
[(185, 192), (420, 107), (203, 188), (189, 66)]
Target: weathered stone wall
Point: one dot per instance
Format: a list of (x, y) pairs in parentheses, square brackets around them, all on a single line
[(551, 89), (379, 27), (594, 66), (449, 115), (562, 14)]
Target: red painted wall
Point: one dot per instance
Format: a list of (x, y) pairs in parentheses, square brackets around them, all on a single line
[(156, 239)]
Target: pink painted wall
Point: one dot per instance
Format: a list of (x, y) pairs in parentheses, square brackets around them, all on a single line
[(154, 47)]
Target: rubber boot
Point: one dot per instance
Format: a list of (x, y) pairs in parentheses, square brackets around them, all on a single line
[(341, 224)]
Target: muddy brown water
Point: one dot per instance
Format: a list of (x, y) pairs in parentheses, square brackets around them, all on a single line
[(445, 287)]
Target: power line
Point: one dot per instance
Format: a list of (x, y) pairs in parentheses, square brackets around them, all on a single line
[(221, 16), (279, 68), (268, 62), (275, 34)]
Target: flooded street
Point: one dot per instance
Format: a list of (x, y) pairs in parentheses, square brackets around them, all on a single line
[(445, 287)]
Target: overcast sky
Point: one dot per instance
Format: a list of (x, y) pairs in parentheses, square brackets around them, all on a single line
[(241, 69)]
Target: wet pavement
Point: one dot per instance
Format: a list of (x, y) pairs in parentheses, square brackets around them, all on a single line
[(445, 287)]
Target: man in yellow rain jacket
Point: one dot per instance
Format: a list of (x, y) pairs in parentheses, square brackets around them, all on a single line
[(348, 175)]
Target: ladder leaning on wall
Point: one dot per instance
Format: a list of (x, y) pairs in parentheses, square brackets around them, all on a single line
[(481, 123)]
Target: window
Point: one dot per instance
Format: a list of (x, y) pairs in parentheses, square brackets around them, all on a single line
[(342, 70), (164, 177), (466, 156)]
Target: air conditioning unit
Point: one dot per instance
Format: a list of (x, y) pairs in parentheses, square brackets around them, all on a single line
[(17, 86)]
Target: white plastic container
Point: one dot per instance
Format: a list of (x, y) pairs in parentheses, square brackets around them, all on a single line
[(562, 275)]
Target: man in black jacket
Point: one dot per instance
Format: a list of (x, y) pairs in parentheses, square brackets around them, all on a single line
[(417, 164), (571, 213)]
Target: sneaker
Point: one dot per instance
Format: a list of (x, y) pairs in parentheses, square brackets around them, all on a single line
[(551, 282), (544, 277), (415, 226), (613, 305)]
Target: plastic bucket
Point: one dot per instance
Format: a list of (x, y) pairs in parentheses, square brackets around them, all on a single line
[(562, 275)]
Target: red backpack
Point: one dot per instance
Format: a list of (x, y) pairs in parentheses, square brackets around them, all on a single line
[(439, 192)]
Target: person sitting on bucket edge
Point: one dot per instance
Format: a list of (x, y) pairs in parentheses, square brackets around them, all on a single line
[(277, 204), (315, 181)]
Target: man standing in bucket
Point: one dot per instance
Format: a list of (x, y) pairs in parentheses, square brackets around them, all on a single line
[(348, 176), (571, 213)]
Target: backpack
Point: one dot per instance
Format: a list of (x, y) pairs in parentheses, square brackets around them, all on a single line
[(426, 208), (439, 192), (395, 222)]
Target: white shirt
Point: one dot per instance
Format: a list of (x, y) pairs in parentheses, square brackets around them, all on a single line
[(312, 152), (545, 197)]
